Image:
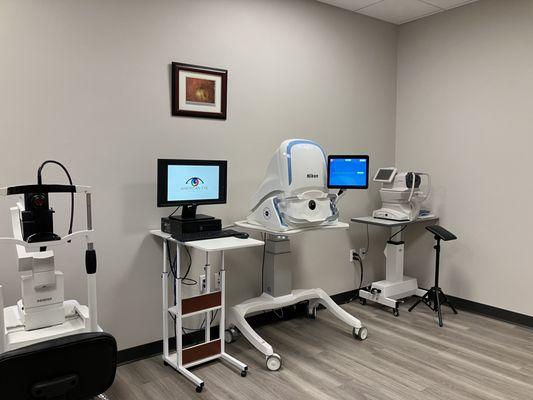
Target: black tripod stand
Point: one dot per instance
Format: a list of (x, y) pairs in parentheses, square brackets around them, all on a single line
[(435, 297)]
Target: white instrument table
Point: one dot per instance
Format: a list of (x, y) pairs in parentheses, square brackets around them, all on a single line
[(396, 286), (205, 303), (208, 245), (278, 293), (390, 223), (247, 225)]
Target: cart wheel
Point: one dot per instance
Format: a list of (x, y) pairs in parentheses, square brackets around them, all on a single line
[(311, 313), (362, 301), (395, 312), (244, 373), (231, 335), (273, 362), (360, 334), (199, 388)]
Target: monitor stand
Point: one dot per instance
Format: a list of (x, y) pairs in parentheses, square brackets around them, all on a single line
[(188, 213)]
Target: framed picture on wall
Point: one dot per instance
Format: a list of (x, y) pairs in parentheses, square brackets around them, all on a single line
[(199, 91)]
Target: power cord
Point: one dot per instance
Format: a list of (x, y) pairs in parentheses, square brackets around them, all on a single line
[(174, 212), (40, 182), (360, 261), (263, 238), (367, 248), (356, 257), (184, 279), (400, 231)]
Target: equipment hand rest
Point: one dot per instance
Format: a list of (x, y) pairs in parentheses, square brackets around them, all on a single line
[(441, 233)]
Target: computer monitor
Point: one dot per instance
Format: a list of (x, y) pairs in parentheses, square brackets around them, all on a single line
[(188, 183), (348, 172)]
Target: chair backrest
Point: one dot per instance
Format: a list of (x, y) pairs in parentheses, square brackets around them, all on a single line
[(76, 367)]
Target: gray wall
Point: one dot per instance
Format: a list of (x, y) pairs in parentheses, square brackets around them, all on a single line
[(465, 115), (87, 83)]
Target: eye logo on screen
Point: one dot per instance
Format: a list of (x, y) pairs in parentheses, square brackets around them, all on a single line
[(194, 181)]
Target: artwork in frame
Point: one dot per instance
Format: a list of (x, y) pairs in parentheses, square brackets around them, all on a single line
[(199, 91)]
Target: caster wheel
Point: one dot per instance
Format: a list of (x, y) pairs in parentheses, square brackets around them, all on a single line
[(362, 301), (231, 335), (244, 373), (273, 362), (395, 312), (199, 388), (361, 334), (311, 313), (165, 363)]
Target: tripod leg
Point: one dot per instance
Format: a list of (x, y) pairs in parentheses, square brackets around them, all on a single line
[(439, 311), (421, 299), (446, 301), (430, 296)]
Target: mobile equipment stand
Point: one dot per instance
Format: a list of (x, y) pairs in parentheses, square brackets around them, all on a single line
[(211, 300), (278, 293), (396, 285)]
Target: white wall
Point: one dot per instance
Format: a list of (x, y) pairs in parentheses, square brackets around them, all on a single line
[(465, 115), (87, 83)]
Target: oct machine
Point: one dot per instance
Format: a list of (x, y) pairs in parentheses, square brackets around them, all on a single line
[(294, 193), (295, 198)]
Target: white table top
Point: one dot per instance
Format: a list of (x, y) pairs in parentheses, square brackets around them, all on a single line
[(218, 244), (390, 223), (247, 225)]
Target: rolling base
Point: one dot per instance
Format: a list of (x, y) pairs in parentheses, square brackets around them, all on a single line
[(238, 313), (434, 299), (171, 361), (389, 293)]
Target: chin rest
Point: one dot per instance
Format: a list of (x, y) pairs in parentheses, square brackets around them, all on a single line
[(441, 233), (76, 367)]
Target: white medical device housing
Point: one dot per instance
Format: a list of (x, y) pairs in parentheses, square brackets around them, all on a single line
[(42, 313), (294, 193), (401, 195)]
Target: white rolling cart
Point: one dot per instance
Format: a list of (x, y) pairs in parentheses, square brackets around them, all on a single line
[(396, 285), (211, 300), (278, 293)]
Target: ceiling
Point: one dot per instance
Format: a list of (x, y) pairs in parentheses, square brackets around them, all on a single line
[(397, 11)]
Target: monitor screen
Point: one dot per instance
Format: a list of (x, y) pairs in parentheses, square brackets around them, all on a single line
[(182, 182), (385, 175), (348, 172)]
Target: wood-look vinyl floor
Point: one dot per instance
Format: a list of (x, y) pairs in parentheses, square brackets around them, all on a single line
[(405, 358)]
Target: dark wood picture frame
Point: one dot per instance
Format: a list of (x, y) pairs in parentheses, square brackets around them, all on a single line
[(222, 73)]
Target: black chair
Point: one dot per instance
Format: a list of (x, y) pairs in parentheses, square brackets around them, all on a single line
[(76, 367), (435, 297)]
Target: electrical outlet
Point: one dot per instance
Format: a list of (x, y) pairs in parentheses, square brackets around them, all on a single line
[(353, 255), (217, 281), (202, 283)]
